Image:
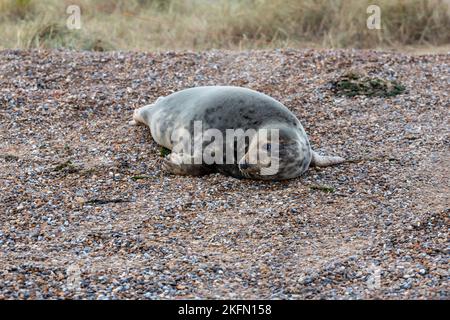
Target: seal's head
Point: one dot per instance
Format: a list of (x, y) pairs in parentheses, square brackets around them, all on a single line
[(276, 154)]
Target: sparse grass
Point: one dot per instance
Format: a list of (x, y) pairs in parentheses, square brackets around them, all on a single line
[(231, 24), (66, 167), (16, 9), (324, 188), (140, 177)]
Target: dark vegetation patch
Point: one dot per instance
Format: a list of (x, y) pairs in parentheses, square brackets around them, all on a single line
[(140, 177), (105, 201), (164, 152), (66, 167), (9, 157), (323, 188), (353, 83)]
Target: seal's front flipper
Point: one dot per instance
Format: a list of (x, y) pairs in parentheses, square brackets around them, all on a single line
[(180, 165), (135, 123), (324, 161)]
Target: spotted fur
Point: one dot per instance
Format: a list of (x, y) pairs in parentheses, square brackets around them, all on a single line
[(222, 107)]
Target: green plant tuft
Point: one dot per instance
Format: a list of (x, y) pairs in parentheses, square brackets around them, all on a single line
[(164, 152), (323, 188), (352, 84)]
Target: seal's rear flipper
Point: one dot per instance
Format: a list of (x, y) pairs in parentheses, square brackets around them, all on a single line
[(138, 117), (324, 161)]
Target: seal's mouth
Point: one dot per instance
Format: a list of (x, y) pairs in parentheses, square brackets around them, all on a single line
[(264, 166), (256, 171)]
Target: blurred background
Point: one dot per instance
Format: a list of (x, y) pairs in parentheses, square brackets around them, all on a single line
[(157, 25)]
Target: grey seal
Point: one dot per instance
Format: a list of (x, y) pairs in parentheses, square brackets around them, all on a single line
[(222, 108)]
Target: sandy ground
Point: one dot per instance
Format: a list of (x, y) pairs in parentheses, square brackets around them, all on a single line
[(86, 212)]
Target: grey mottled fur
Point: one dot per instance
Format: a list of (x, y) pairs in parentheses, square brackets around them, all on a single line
[(222, 108)]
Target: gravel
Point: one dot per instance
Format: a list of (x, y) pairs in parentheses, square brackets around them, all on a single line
[(86, 212)]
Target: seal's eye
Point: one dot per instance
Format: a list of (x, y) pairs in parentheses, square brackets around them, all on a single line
[(268, 147)]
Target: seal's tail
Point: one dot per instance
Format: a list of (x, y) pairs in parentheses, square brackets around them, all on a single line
[(139, 114), (138, 119), (325, 161)]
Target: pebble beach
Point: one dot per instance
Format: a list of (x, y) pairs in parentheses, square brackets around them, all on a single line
[(86, 211)]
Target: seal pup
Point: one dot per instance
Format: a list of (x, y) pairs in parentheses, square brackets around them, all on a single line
[(225, 108)]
